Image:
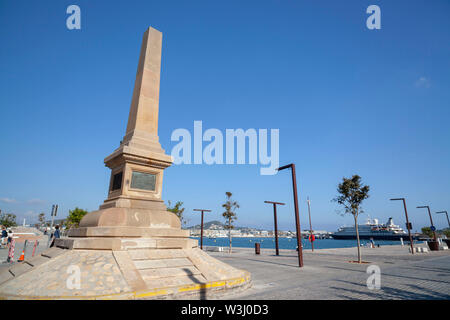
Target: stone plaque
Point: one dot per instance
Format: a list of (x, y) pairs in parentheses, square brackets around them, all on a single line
[(142, 180), (117, 181)]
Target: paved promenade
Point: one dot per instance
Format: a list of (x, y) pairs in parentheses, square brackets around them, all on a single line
[(43, 243), (327, 274)]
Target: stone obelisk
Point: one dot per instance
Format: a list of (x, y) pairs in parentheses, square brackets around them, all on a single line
[(132, 247), (134, 207), (137, 165)]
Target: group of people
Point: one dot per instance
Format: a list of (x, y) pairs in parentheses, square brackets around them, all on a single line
[(55, 235), (7, 236)]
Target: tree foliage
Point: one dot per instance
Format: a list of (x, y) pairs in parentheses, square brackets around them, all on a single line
[(351, 194), (427, 231), (41, 218), (178, 210), (74, 217), (8, 220), (447, 232)]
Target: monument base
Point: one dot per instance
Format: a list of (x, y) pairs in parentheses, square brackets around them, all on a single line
[(121, 268), (122, 253)]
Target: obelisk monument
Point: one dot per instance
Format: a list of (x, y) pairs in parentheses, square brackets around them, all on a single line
[(132, 247), (134, 201), (137, 165)]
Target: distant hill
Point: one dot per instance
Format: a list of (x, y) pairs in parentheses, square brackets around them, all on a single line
[(207, 225)]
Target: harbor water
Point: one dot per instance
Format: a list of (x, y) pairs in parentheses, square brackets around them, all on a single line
[(289, 243)]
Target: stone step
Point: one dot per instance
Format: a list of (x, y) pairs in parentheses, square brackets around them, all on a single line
[(149, 274), (52, 252), (111, 243), (124, 232), (145, 254), (175, 281), (162, 263)]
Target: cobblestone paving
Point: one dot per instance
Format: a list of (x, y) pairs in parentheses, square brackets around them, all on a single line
[(327, 274), (99, 276)]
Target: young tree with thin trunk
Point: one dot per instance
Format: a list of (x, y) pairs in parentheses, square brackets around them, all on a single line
[(351, 194), (229, 214)]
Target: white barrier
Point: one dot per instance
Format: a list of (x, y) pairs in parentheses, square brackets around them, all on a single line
[(419, 250), (214, 249)]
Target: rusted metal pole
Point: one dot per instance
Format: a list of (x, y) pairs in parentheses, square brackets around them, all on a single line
[(34, 247), (201, 237), (297, 219), (407, 223), (409, 229), (277, 251), (431, 220), (310, 225), (201, 232), (432, 224)]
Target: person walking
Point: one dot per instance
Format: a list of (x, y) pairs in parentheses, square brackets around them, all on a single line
[(10, 237), (4, 236), (56, 235)]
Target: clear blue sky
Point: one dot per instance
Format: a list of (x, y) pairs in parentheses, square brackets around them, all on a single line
[(346, 100)]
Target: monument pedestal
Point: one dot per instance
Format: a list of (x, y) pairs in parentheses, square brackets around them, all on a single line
[(132, 247), (123, 253), (142, 269)]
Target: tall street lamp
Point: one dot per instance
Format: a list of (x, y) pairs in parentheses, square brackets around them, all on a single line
[(446, 213), (431, 220), (408, 225), (297, 219), (277, 251), (311, 236), (201, 232)]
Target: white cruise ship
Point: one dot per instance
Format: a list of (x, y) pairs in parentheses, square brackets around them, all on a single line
[(373, 229)]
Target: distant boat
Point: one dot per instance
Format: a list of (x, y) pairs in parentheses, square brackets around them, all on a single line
[(373, 229)]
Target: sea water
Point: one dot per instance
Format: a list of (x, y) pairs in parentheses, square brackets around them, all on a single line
[(289, 243)]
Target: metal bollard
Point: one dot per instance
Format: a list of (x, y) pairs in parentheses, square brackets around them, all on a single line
[(36, 243), (257, 248)]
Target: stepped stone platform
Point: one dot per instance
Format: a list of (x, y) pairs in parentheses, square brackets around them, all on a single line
[(138, 269)]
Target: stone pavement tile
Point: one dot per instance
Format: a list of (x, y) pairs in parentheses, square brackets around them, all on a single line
[(20, 268), (5, 275), (328, 275)]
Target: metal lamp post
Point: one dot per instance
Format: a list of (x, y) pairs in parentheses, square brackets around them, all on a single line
[(408, 225), (297, 219), (277, 251), (431, 220), (446, 213), (310, 225), (53, 215), (201, 232)]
